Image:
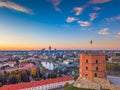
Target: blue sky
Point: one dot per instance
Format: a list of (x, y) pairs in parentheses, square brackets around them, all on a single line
[(63, 24)]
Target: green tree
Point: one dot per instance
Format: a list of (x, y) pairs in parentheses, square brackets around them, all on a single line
[(33, 73), (5, 74), (1, 84), (66, 85), (12, 79), (76, 77), (18, 76), (53, 75), (12, 72), (25, 76)]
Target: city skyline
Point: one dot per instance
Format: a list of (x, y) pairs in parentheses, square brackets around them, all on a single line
[(62, 24)]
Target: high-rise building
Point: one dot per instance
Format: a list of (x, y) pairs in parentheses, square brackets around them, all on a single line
[(92, 65), (49, 49)]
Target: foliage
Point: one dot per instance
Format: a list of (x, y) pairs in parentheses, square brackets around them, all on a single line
[(25, 76), (12, 73), (12, 79), (37, 79), (113, 69), (53, 75), (5, 74), (18, 76), (71, 87), (113, 66), (33, 73), (76, 77), (1, 84), (66, 85)]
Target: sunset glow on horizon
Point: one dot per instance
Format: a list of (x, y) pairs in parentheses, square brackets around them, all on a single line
[(61, 24)]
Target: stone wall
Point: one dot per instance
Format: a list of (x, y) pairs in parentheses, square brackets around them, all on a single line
[(114, 87), (83, 83), (96, 84)]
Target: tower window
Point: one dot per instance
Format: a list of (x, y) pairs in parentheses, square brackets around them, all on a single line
[(96, 68), (86, 68), (95, 74), (86, 61), (96, 61), (86, 75)]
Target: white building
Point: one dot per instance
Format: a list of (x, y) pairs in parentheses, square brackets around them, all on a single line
[(40, 85), (115, 59), (68, 62)]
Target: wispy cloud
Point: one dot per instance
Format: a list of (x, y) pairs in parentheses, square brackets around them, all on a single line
[(118, 34), (113, 18), (83, 23), (96, 8), (55, 4), (14, 6), (98, 1), (104, 31), (78, 10), (92, 16), (70, 19)]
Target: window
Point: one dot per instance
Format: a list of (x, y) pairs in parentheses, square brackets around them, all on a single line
[(96, 68), (95, 74), (86, 75), (86, 68), (86, 61), (96, 61)]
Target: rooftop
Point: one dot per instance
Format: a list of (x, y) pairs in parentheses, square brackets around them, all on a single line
[(35, 84), (93, 53)]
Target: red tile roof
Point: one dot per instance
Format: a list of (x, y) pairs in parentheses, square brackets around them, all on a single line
[(35, 84)]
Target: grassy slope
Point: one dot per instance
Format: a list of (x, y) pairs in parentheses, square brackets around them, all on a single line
[(74, 88)]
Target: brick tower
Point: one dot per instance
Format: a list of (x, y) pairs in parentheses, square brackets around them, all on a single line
[(92, 65)]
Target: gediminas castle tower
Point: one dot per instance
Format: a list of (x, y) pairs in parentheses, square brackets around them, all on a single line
[(92, 65)]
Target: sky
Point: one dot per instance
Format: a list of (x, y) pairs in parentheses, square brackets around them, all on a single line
[(61, 24)]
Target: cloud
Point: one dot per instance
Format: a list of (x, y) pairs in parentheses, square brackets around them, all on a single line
[(113, 18), (83, 23), (104, 31), (92, 16), (118, 34), (98, 1), (14, 6), (78, 10), (70, 19), (55, 4), (96, 8)]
